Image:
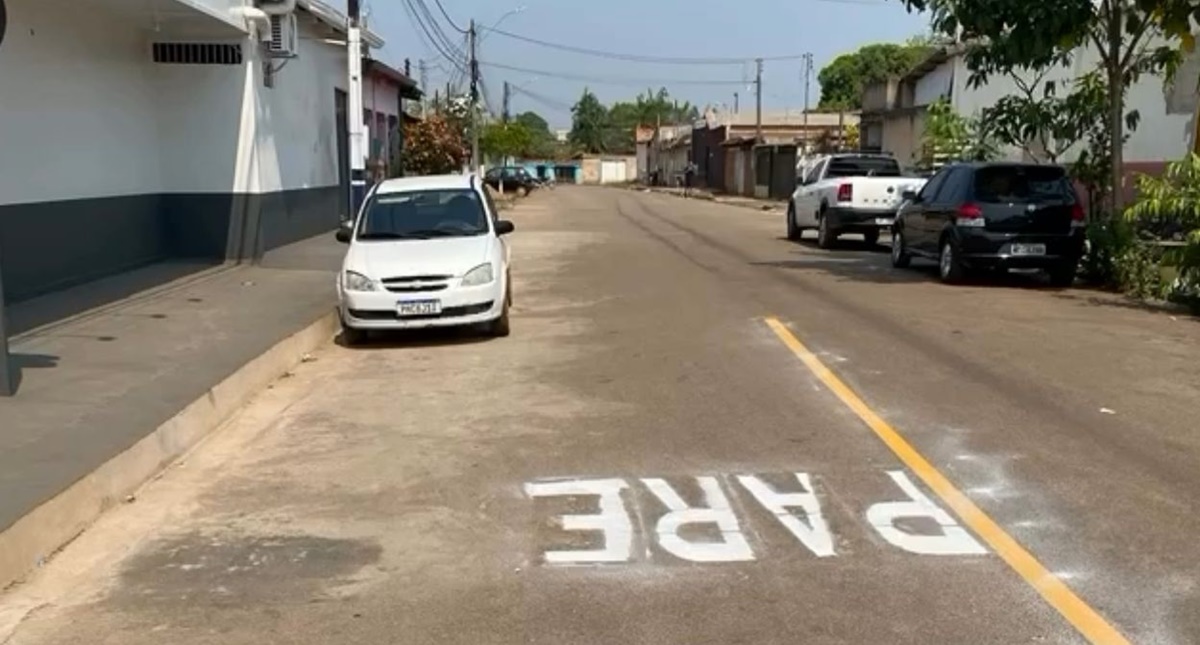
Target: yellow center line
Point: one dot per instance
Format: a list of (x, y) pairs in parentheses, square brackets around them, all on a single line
[(1086, 620)]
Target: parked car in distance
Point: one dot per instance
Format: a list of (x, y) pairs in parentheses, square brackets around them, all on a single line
[(993, 216), (848, 193), (425, 252), (510, 179)]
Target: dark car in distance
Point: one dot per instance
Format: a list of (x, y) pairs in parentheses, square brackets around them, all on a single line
[(993, 216), (510, 179)]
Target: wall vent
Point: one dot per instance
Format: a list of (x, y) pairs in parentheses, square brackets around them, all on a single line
[(198, 53)]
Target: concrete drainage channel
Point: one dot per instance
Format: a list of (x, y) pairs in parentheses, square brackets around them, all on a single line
[(34, 538)]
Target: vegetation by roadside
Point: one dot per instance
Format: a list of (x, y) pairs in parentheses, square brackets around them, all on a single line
[(1150, 248)]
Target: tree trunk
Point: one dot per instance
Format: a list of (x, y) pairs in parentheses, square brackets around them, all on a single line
[(1116, 109)]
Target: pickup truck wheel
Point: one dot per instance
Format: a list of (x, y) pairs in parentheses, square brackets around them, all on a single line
[(871, 238), (793, 232), (826, 237), (900, 257)]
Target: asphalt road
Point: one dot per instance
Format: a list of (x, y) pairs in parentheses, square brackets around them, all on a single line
[(758, 441)]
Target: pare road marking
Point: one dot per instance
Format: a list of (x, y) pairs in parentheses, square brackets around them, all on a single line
[(1086, 620), (798, 510)]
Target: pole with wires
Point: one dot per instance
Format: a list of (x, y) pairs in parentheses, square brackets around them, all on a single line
[(424, 69), (358, 154), (472, 38), (807, 81), (758, 69), (507, 94)]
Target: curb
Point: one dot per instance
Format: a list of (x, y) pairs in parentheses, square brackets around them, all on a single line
[(34, 538)]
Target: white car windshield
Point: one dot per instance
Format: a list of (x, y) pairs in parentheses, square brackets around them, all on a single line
[(424, 214)]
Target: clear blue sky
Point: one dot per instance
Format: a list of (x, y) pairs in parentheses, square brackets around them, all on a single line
[(670, 28)]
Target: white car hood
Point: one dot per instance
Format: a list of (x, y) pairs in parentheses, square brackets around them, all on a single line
[(384, 259)]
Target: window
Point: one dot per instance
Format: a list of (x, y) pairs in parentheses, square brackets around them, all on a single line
[(1022, 185), (954, 189), (930, 190), (863, 167), (814, 174), (423, 215)]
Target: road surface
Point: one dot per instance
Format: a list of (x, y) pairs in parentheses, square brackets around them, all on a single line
[(698, 433)]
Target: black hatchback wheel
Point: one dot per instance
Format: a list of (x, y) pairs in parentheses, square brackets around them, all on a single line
[(900, 257)]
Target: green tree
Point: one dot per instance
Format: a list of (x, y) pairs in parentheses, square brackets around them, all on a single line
[(1132, 37), (949, 136), (649, 108), (543, 143), (534, 122), (590, 124), (842, 81), (506, 140)]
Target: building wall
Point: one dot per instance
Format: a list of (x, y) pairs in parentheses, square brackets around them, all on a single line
[(162, 160), (80, 151), (1165, 131)]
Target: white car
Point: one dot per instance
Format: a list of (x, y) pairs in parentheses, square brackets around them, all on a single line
[(425, 252)]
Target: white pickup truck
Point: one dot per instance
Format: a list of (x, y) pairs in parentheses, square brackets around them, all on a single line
[(848, 193)]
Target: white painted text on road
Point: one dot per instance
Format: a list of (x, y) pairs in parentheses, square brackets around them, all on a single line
[(710, 531)]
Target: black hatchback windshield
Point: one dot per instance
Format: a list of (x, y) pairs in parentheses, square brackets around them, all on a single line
[(1023, 185), (423, 215)]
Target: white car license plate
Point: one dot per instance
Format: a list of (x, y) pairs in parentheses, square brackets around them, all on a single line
[(883, 221), (1028, 249), (419, 307)]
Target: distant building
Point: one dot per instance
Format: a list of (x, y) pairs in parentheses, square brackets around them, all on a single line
[(562, 134), (716, 131), (385, 91)]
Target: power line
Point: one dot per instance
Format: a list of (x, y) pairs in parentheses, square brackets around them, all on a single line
[(553, 104), (443, 46), (609, 80), (638, 58), (434, 25), (450, 20)]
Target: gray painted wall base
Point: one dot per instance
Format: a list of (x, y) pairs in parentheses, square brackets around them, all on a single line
[(8, 384), (48, 246)]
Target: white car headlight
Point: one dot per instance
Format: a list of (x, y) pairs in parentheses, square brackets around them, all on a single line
[(354, 281), (482, 274)]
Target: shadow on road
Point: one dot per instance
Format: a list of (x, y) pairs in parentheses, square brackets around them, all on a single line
[(414, 338), (861, 262), (1098, 298)]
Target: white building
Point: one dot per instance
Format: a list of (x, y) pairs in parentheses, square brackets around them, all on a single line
[(893, 116), (133, 131)]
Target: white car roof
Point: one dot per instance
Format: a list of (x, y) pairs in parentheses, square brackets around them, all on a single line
[(426, 182)]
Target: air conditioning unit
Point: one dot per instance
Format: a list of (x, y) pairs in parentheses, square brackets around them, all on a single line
[(282, 38)]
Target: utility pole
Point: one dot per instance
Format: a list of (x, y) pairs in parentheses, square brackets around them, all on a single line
[(807, 78), (358, 149), (507, 94), (472, 37), (735, 102), (758, 69), (424, 84)]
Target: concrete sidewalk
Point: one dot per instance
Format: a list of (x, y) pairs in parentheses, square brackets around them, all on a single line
[(95, 384)]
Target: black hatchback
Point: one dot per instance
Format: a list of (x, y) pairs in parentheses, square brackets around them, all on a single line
[(993, 216)]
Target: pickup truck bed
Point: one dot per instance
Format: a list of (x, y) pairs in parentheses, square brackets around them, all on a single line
[(849, 194)]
